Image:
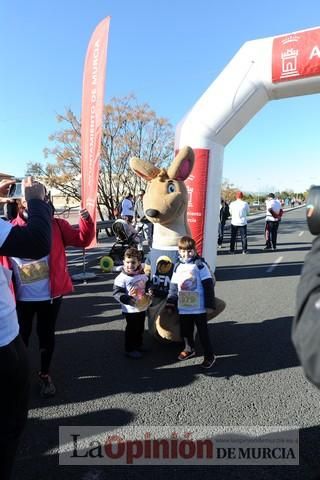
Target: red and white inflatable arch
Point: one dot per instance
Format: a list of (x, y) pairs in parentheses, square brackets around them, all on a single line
[(262, 70)]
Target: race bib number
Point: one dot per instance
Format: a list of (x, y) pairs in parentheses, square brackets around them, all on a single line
[(34, 271), (189, 299)]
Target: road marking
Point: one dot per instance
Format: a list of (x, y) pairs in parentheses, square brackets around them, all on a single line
[(301, 233), (273, 266)]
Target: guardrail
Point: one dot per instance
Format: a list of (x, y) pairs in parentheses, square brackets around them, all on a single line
[(104, 225)]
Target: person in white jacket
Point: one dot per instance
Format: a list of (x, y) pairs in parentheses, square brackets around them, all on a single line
[(273, 217), (239, 210)]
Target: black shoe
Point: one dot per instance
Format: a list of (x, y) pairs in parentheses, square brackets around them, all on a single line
[(245, 252), (267, 247), (47, 388), (208, 362), (231, 252), (274, 248)]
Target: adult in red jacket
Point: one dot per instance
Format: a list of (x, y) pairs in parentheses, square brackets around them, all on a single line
[(41, 284)]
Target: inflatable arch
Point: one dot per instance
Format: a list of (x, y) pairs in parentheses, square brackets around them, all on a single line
[(262, 70)]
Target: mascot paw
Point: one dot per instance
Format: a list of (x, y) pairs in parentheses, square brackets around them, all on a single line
[(220, 306)]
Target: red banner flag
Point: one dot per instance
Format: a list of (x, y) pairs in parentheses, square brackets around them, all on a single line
[(92, 115)]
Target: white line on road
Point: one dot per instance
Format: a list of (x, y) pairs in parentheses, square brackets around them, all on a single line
[(273, 266), (301, 233)]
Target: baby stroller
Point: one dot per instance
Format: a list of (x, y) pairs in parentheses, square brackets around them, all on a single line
[(126, 236)]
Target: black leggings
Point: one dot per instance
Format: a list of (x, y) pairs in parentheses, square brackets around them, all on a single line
[(133, 336), (187, 323), (47, 313), (14, 377), (271, 233)]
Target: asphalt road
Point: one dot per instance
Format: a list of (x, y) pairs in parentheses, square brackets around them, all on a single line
[(256, 381)]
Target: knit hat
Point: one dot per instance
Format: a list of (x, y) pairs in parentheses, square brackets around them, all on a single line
[(239, 195)]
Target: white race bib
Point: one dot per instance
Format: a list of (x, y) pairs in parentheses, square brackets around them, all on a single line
[(188, 299), (33, 271)]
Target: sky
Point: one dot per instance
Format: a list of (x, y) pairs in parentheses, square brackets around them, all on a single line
[(167, 53)]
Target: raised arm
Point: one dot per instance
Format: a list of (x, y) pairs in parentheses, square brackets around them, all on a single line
[(80, 236), (34, 240)]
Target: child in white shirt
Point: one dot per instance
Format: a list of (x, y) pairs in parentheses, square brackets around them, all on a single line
[(130, 290), (192, 292)]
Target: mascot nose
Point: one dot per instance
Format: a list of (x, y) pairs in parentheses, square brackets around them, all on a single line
[(152, 213)]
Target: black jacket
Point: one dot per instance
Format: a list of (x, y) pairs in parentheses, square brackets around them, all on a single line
[(224, 213), (306, 324), (34, 240)]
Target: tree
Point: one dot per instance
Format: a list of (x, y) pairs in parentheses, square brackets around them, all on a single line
[(228, 190), (129, 129)]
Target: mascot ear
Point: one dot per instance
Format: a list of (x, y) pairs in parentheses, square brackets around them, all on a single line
[(145, 170), (182, 165)]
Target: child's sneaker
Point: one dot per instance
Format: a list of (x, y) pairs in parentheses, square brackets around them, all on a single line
[(185, 354), (208, 362), (47, 388)]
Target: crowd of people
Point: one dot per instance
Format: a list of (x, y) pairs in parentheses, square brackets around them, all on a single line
[(239, 210), (33, 265), (33, 280)]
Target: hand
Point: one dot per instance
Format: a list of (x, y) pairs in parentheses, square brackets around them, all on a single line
[(4, 188), (84, 214), (33, 190), (147, 269), (133, 292), (170, 307), (133, 302)]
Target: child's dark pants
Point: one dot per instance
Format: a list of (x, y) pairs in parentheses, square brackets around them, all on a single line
[(187, 323), (134, 331)]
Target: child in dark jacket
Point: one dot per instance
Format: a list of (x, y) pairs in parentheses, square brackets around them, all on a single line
[(130, 290), (192, 291)]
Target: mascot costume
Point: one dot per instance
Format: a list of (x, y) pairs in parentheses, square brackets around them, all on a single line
[(165, 205)]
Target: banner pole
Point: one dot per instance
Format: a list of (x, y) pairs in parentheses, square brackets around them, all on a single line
[(84, 261), (83, 275)]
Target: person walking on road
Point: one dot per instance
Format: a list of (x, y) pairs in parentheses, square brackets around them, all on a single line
[(273, 217), (239, 210), (224, 215)]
